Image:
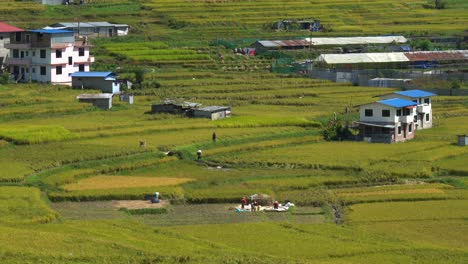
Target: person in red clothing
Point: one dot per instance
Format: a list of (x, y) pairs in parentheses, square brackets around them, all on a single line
[(276, 205), (243, 202)]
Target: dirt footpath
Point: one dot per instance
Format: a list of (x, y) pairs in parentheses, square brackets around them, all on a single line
[(136, 204)]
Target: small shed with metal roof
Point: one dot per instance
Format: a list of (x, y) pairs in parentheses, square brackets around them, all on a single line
[(212, 112), (172, 106), (104, 81), (103, 100)]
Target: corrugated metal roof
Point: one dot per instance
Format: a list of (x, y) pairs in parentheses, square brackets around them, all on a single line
[(356, 40), (397, 102), (71, 25), (376, 124), (95, 96), (362, 58), (101, 24), (92, 74), (4, 28), (449, 55), (213, 108), (415, 93), (333, 41), (394, 57), (50, 31)]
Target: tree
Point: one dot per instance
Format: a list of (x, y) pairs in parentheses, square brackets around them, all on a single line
[(139, 76)]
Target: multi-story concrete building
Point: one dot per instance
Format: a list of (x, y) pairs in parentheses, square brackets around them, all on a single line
[(47, 56), (5, 31), (423, 115), (389, 121)]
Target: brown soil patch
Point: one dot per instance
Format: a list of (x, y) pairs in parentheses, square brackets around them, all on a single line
[(138, 204)]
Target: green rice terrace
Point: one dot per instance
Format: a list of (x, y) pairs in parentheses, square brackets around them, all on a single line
[(73, 177)]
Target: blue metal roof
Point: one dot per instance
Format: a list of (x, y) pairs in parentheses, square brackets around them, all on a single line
[(415, 93), (397, 102), (51, 31), (92, 74)]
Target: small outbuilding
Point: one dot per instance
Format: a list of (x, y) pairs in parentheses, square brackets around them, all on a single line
[(174, 107), (212, 112), (462, 140), (103, 101), (104, 81)]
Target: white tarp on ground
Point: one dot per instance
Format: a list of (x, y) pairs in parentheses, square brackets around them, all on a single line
[(362, 58), (356, 40)]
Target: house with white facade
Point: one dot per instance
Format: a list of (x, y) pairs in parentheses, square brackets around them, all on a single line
[(387, 121), (423, 115), (49, 56), (5, 31)]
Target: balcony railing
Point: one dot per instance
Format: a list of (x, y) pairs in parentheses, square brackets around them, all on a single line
[(89, 60), (424, 108), (18, 61), (18, 45), (406, 119)]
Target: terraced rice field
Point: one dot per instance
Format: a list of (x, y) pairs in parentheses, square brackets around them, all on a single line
[(63, 163)]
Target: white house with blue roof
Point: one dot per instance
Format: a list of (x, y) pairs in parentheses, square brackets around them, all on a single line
[(423, 115), (104, 81), (387, 121), (47, 55)]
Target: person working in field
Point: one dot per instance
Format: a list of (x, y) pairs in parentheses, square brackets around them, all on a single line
[(213, 137), (276, 205), (243, 202), (199, 154)]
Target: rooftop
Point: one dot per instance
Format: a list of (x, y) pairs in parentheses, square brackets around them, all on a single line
[(50, 31), (415, 93), (397, 102), (95, 96), (333, 41), (383, 57), (213, 108), (4, 28), (92, 74)]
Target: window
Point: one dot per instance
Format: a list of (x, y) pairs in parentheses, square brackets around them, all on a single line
[(399, 130), (398, 112), (427, 117), (427, 100), (43, 70), (43, 54), (18, 37), (406, 111), (58, 54), (81, 67), (420, 100), (410, 128), (27, 70), (15, 53), (58, 70), (33, 70), (415, 118), (27, 53), (368, 112), (33, 53), (28, 38), (81, 52), (1, 37), (385, 113), (70, 60), (22, 54), (416, 101)]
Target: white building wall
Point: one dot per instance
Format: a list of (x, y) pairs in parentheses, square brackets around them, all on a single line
[(377, 113)]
